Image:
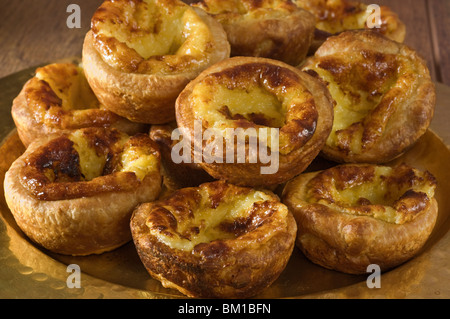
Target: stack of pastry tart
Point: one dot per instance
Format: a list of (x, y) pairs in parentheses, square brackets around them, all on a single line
[(216, 240), (184, 122), (244, 93)]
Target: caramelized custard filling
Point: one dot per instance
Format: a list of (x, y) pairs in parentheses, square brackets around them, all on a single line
[(257, 95), (151, 36), (68, 83), (88, 162), (336, 16), (392, 194)]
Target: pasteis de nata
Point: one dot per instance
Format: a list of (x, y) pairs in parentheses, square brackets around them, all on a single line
[(216, 240), (74, 193), (384, 96), (354, 215), (58, 98), (139, 55), (270, 29), (247, 108)]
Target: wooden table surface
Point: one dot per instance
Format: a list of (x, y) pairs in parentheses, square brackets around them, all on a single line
[(34, 32)]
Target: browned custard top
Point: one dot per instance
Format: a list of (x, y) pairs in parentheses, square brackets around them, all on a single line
[(393, 194), (257, 95), (88, 162), (60, 96), (151, 36), (373, 81), (202, 219)]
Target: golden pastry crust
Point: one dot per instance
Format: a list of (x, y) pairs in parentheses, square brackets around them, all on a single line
[(384, 96), (354, 215), (139, 55), (264, 103), (74, 193), (216, 240), (176, 175), (270, 29), (336, 16), (58, 98)]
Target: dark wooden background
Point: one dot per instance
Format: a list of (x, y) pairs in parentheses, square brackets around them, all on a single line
[(34, 32)]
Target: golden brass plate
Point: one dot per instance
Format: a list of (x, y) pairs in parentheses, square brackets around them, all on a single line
[(28, 271)]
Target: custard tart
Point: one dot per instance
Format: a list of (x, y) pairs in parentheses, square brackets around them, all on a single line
[(216, 240), (384, 96), (270, 29), (139, 55), (58, 98), (74, 193), (254, 121), (353, 215)]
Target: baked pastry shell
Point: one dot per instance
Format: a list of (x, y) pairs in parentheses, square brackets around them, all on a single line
[(290, 164), (406, 125), (144, 98), (79, 226), (30, 129), (350, 243), (231, 268)]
